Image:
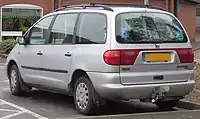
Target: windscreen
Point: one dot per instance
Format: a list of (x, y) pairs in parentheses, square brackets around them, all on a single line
[(148, 28)]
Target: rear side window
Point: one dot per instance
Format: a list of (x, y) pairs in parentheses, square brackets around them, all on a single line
[(63, 29), (148, 28), (92, 29)]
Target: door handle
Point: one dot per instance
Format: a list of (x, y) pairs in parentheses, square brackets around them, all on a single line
[(39, 53), (68, 54)]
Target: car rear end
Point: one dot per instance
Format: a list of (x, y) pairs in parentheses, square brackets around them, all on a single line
[(153, 54)]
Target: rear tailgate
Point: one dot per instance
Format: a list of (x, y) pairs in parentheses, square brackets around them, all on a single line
[(153, 66), (154, 48)]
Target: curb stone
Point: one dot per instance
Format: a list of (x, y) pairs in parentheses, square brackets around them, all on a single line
[(188, 105), (150, 115), (197, 48)]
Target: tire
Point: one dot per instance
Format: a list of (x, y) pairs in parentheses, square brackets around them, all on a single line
[(14, 81), (167, 104), (87, 93)]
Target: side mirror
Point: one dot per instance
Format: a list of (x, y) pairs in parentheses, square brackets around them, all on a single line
[(21, 40)]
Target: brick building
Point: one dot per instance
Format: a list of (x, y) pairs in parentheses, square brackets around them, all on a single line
[(185, 10)]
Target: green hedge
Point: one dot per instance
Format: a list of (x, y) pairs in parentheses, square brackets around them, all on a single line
[(7, 45)]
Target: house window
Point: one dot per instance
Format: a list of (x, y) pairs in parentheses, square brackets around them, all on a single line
[(17, 18)]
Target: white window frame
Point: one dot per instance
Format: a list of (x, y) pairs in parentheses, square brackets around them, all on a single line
[(23, 6)]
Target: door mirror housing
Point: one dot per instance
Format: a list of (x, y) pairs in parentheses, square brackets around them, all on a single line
[(21, 40)]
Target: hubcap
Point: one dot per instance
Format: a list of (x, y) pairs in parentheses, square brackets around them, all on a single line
[(13, 79), (82, 95)]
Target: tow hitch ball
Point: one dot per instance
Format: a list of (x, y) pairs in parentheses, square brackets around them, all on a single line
[(159, 93)]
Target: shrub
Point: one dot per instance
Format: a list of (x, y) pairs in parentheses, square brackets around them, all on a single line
[(7, 45)]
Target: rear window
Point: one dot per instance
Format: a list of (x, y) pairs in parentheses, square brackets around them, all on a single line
[(148, 28)]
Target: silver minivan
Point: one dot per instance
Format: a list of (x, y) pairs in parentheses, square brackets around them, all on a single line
[(99, 53)]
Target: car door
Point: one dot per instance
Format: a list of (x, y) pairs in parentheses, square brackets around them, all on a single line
[(59, 52), (31, 54)]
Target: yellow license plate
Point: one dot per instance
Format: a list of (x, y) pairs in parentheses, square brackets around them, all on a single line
[(158, 57)]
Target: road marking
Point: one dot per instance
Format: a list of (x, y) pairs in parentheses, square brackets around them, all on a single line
[(11, 115), (5, 89), (8, 110), (6, 81), (23, 110)]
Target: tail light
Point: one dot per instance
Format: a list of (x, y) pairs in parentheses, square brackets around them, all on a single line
[(185, 55), (120, 57), (128, 57)]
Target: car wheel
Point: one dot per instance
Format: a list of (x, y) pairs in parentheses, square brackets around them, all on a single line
[(14, 81), (167, 104), (83, 96)]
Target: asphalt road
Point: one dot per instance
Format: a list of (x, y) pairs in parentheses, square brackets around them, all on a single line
[(2, 60), (41, 105)]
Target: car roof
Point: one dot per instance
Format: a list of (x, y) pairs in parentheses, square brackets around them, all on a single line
[(115, 9)]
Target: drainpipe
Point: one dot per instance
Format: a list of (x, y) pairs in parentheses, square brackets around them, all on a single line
[(146, 2), (176, 2), (167, 4), (55, 4)]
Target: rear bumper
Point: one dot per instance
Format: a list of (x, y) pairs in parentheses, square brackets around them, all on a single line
[(108, 86)]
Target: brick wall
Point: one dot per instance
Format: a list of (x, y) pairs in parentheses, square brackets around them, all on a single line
[(69, 2), (187, 16), (187, 13), (47, 5)]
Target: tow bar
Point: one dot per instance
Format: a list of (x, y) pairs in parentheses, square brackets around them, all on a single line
[(159, 93)]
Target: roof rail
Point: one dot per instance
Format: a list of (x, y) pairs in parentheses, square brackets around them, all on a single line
[(83, 6), (157, 7), (60, 8), (105, 6), (130, 5)]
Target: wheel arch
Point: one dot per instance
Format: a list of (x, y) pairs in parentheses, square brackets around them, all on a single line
[(75, 75), (10, 63)]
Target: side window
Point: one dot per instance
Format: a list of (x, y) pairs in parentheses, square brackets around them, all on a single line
[(92, 29), (63, 29), (40, 32)]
